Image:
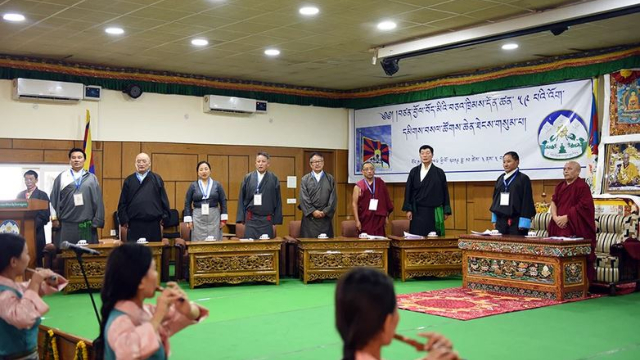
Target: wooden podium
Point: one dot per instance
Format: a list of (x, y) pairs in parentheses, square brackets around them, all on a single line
[(23, 212)]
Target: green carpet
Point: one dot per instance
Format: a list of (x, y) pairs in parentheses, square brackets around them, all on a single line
[(295, 321)]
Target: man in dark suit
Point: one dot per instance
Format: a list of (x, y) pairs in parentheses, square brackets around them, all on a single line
[(42, 217)]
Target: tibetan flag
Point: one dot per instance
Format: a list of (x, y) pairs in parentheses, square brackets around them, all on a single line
[(594, 137), (88, 164), (375, 151)]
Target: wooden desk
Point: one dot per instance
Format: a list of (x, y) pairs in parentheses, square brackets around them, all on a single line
[(537, 267), (430, 256), (330, 258), (95, 265), (233, 261)]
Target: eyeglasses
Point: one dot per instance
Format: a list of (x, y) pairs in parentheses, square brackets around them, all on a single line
[(316, 162)]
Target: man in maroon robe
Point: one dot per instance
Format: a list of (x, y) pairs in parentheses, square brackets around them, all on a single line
[(573, 213), (371, 202)]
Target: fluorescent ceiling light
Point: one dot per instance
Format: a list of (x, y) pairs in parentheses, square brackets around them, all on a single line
[(513, 26), (13, 17), (387, 25), (510, 46), (309, 10), (114, 31), (272, 52), (199, 42)]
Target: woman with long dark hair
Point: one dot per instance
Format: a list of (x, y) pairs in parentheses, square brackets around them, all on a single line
[(367, 317), (21, 306), (131, 329)]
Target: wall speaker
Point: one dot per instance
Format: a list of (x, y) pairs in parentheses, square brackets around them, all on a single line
[(133, 90)]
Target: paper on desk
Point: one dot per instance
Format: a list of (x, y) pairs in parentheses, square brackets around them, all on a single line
[(486, 232), (564, 238), (412, 236), (376, 237)]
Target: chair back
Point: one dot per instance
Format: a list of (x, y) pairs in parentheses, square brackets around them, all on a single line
[(122, 233), (294, 228), (349, 228), (540, 224), (398, 227), (185, 232)]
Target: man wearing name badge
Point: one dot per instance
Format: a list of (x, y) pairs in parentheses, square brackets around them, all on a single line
[(371, 203), (143, 202), (259, 202), (426, 196), (317, 200), (573, 212), (512, 207), (42, 217), (76, 202)]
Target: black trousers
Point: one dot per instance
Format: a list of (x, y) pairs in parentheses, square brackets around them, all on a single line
[(424, 221), (502, 225), (149, 230)]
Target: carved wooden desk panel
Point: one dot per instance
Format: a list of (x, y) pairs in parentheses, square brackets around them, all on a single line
[(538, 267), (233, 261), (437, 256), (95, 265), (330, 258)]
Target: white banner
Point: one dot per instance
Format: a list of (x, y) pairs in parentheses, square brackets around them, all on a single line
[(546, 125)]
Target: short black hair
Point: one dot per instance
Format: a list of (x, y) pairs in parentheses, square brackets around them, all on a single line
[(31, 172), (315, 153), (425, 147), (513, 154), (263, 153), (77, 150), (363, 300), (11, 245)]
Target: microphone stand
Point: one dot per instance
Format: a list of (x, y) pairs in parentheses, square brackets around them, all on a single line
[(86, 282)]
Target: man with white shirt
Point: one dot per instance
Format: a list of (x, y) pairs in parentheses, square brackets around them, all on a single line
[(426, 196), (317, 200), (143, 202), (259, 201), (76, 201)]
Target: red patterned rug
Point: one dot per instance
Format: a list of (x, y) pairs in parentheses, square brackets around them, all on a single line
[(467, 304)]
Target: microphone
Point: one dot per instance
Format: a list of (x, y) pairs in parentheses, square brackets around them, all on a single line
[(79, 249)]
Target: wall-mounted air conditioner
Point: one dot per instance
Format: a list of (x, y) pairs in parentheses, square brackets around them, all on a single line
[(29, 89), (215, 103)]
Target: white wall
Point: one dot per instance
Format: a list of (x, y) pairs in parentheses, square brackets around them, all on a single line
[(171, 118)]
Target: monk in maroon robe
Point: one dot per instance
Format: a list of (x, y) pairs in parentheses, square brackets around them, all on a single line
[(573, 213), (371, 202)]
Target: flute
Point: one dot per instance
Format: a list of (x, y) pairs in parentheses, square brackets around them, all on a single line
[(53, 279), (160, 288), (414, 343)]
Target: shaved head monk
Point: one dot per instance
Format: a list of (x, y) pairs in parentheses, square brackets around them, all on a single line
[(573, 213)]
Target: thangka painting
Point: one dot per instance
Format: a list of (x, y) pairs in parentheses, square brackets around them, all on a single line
[(624, 109), (373, 144), (621, 170)]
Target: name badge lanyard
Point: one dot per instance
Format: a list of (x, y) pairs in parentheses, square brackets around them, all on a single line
[(258, 184), (508, 183), (77, 181), (205, 194), (372, 190)]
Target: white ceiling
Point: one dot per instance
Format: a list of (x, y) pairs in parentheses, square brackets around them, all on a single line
[(330, 50)]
